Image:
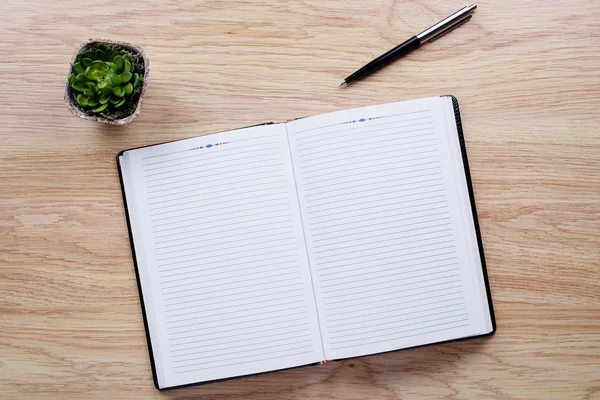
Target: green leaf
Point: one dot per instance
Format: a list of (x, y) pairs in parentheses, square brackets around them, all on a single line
[(72, 78), (114, 100), (118, 91), (91, 85), (115, 79), (126, 66), (110, 54), (78, 86), (112, 66), (100, 108), (86, 62), (125, 77), (118, 60), (82, 100), (100, 65), (120, 103), (84, 54), (92, 102), (100, 55), (104, 99), (78, 68), (88, 92), (80, 77), (136, 79), (107, 91), (102, 84), (89, 73), (128, 88)]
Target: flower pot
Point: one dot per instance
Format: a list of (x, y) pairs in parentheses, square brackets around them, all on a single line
[(134, 102)]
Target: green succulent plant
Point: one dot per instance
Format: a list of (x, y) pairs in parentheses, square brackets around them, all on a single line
[(104, 79)]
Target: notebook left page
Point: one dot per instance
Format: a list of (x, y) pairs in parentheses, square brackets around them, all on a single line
[(221, 256)]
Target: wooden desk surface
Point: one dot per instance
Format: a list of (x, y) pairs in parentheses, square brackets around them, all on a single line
[(527, 75)]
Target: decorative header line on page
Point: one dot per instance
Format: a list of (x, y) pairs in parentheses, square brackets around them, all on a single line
[(208, 146), (360, 120)]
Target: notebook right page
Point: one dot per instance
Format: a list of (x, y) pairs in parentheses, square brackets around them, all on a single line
[(389, 237)]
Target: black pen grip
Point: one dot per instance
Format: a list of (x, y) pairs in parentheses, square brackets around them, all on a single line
[(386, 58)]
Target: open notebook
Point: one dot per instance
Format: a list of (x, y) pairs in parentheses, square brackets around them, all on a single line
[(280, 245)]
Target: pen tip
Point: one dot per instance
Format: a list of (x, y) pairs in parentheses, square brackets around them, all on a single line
[(342, 84)]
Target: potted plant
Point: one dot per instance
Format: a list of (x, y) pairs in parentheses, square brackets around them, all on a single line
[(107, 81)]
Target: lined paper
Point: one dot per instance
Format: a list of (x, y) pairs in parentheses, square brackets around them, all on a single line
[(377, 208), (224, 247)]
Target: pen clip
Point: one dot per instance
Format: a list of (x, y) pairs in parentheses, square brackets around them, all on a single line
[(450, 28)]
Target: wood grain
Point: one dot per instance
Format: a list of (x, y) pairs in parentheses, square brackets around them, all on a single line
[(527, 75)]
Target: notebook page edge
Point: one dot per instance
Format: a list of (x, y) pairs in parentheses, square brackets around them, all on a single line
[(456, 138), (145, 301)]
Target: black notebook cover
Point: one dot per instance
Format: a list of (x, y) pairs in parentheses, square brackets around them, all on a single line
[(477, 232)]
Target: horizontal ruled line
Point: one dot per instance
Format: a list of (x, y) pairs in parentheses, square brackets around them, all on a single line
[(394, 240), (203, 339), (371, 180), (384, 231), (203, 183), (379, 287), (358, 197), (279, 245), (371, 272), (395, 262), (223, 270), (170, 324), (208, 160), (234, 297), (280, 337), (356, 320), (337, 124), (220, 203), (379, 303), (292, 282), (239, 228), (321, 220), (349, 227), (402, 337), (191, 180), (264, 187), (364, 160), (239, 328), (384, 258), (237, 352), (230, 259), (381, 196), (220, 309), (360, 131), (390, 323), (199, 154), (400, 249), (367, 312), (279, 355), (278, 275), (363, 171), (348, 153), (214, 248), (340, 284), (181, 238), (222, 160), (297, 316), (364, 135)]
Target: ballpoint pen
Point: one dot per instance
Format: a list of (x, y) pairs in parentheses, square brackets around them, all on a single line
[(429, 34)]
